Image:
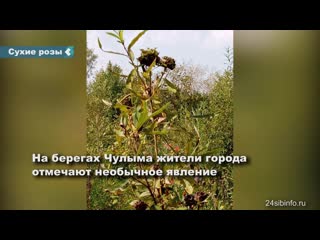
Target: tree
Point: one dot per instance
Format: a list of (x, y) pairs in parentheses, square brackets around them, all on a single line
[(91, 61), (105, 88)]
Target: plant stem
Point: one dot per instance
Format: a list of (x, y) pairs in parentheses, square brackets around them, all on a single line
[(135, 143), (172, 149), (155, 145), (154, 136), (148, 187)]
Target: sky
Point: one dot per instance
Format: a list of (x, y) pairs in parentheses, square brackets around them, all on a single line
[(200, 47)]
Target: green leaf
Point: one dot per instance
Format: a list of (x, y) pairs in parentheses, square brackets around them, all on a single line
[(113, 35), (172, 90), (157, 184), (171, 87), (188, 188), (122, 107), (157, 207), (136, 39), (188, 147), (135, 93), (147, 74), (119, 133), (139, 149), (156, 102), (121, 36), (116, 53), (163, 132), (150, 127), (133, 203), (144, 194), (117, 191), (131, 54), (129, 78), (160, 110), (135, 117), (145, 118), (99, 43), (123, 119), (123, 182), (109, 104)]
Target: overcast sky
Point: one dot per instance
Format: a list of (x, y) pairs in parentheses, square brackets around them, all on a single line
[(200, 47)]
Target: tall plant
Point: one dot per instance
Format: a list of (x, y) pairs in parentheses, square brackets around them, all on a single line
[(144, 122)]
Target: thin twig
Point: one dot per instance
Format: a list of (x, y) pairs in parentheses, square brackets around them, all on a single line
[(137, 179), (135, 66), (168, 144), (149, 187)]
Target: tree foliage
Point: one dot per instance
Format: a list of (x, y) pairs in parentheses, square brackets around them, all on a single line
[(91, 62)]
